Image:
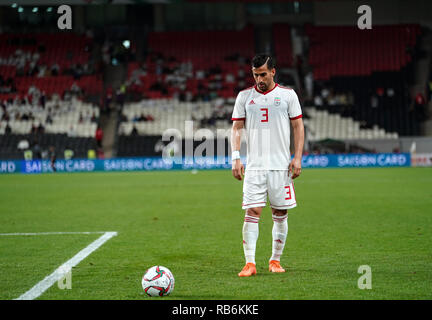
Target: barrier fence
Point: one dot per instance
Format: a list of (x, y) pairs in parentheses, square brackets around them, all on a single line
[(158, 163)]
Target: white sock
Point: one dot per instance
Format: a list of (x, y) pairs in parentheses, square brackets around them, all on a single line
[(250, 236), (279, 233)]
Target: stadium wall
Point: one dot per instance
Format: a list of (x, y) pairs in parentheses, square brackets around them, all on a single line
[(158, 163)]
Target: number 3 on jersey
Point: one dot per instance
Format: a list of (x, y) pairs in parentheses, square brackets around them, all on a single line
[(264, 114)]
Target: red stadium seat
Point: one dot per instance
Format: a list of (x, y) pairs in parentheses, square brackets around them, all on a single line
[(346, 50)]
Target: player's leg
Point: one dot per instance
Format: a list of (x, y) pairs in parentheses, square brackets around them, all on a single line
[(250, 236), (254, 199), (282, 197), (250, 233), (279, 235)]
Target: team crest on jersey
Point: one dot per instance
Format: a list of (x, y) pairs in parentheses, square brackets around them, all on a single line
[(277, 101)]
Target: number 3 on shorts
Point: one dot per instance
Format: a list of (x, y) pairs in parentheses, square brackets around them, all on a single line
[(288, 192)]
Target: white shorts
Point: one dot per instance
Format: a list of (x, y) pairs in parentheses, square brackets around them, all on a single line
[(275, 183)]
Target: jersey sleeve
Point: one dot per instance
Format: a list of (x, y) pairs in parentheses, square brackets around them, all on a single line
[(239, 112), (294, 109)]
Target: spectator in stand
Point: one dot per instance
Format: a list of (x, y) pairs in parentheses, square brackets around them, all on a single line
[(75, 89), (123, 118), (419, 106), (49, 119), (121, 94), (308, 80), (42, 99), (332, 100), (8, 129), (34, 94), (6, 116), (37, 152), (134, 131), (380, 95), (33, 69), (142, 117), (374, 101), (325, 92), (68, 153), (159, 86), (343, 99), (77, 71), (318, 101), (20, 64), (42, 71), (229, 78), (72, 132), (52, 156), (55, 69), (108, 99), (136, 118), (99, 136), (40, 128), (200, 74), (93, 118)]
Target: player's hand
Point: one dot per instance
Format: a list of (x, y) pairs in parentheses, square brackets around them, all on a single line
[(294, 168), (237, 169)]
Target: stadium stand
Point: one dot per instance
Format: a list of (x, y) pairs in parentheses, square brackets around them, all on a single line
[(152, 117), (60, 124), (321, 124), (50, 62), (361, 83), (283, 45), (374, 66), (73, 118), (349, 51), (360, 90), (40, 143), (188, 66), (44, 81)]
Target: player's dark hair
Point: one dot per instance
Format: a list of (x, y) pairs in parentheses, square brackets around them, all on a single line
[(260, 59)]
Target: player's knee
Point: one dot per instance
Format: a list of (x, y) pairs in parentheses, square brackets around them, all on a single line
[(277, 212), (254, 212)]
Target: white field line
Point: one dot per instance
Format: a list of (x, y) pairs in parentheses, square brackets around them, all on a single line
[(61, 271), (47, 233)]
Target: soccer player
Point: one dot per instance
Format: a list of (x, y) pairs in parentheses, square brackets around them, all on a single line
[(265, 112)]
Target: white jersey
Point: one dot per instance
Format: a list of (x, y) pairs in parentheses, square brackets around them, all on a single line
[(267, 118)]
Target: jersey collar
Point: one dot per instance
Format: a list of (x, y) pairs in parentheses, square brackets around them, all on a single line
[(256, 88)]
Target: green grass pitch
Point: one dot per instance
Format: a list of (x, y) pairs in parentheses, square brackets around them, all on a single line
[(191, 223)]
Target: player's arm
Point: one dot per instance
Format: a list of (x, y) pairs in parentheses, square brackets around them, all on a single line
[(237, 166), (295, 164)]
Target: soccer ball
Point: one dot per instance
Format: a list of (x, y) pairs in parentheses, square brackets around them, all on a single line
[(158, 281)]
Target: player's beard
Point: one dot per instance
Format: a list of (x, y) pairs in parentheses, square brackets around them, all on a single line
[(262, 86)]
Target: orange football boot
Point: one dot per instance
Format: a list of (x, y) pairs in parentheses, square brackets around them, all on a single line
[(248, 270), (274, 266)]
